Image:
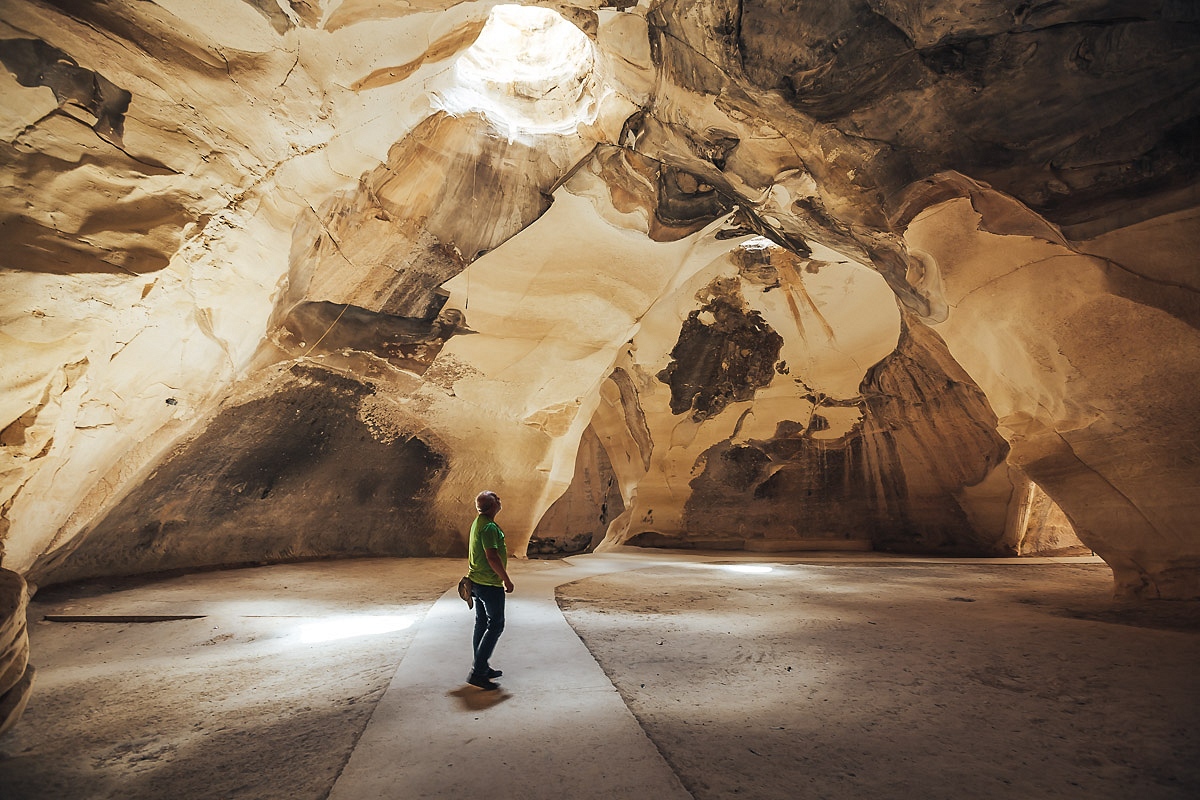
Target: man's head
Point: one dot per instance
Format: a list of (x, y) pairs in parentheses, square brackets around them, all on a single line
[(487, 503)]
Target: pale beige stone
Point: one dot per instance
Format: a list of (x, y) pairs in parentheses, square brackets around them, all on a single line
[(901, 258)]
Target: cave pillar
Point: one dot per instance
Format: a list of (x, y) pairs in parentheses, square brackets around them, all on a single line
[(16, 674), (1090, 367), (1145, 563)]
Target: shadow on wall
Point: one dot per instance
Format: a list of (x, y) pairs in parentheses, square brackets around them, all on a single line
[(315, 464), (579, 519)]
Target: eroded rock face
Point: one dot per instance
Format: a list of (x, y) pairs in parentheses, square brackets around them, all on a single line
[(1104, 352), (579, 519), (724, 353), (306, 461), (16, 673), (887, 482), (1054, 104), (717, 273)]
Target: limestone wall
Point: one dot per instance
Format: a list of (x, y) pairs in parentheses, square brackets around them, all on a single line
[(298, 281), (16, 673)]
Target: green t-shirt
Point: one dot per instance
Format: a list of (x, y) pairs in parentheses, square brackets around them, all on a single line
[(485, 534)]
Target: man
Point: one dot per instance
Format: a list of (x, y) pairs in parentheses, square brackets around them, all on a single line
[(488, 559)]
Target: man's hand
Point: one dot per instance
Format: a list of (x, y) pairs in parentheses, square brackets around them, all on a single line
[(493, 558)]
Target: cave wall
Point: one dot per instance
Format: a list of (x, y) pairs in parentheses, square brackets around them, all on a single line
[(868, 470), (149, 247), (17, 675), (578, 520), (1085, 361), (305, 461), (902, 258)]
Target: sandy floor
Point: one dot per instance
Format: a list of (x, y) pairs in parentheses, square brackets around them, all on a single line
[(258, 699), (811, 680), (888, 681)]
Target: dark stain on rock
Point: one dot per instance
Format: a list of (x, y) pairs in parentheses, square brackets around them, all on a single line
[(676, 202), (405, 342), (687, 200), (927, 433), (724, 353), (755, 265), (741, 467), (716, 147), (36, 63), (420, 293), (923, 410)]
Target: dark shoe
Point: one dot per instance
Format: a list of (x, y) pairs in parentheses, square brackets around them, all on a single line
[(494, 673), (483, 683)]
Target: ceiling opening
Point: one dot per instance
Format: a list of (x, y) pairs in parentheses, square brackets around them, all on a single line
[(530, 71)]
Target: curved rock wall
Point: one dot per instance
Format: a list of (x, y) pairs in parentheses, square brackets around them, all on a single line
[(1085, 361), (150, 246), (16, 673), (792, 267), (305, 461), (579, 519)]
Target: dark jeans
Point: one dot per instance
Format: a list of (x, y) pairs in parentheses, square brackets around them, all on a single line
[(489, 624)]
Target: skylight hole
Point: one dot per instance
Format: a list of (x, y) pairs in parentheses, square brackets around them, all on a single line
[(530, 71)]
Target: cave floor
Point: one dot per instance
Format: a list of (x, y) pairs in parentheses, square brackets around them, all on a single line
[(790, 675)]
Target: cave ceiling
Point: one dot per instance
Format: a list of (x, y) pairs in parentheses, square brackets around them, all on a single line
[(298, 279)]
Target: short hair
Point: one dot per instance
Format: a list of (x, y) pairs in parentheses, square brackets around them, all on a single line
[(487, 502)]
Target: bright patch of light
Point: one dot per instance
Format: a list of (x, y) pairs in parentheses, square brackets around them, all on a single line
[(530, 71), (758, 243), (347, 627), (751, 569)]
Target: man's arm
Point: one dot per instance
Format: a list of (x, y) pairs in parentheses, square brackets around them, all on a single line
[(493, 559)]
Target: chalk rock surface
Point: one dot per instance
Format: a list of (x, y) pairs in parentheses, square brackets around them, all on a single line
[(16, 673), (298, 280)]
